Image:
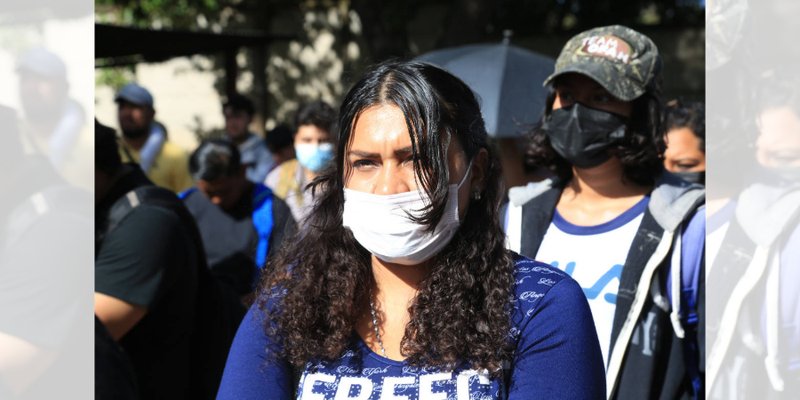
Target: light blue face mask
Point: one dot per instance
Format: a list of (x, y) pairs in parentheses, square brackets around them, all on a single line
[(312, 156)]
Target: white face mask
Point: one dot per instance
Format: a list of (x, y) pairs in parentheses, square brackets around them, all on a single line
[(381, 225)]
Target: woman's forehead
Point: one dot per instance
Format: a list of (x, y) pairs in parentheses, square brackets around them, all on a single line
[(379, 126), (383, 128)]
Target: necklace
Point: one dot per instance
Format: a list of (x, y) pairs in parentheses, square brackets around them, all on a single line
[(375, 327)]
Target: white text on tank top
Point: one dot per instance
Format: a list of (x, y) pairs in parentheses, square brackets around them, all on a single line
[(594, 257)]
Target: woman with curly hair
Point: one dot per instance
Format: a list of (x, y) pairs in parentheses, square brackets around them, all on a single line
[(613, 219), (401, 287)]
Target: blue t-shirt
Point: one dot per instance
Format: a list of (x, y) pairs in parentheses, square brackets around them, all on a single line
[(557, 356)]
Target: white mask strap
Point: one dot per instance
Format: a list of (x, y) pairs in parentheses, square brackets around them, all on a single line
[(466, 174)]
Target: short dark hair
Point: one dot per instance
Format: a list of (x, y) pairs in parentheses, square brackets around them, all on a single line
[(279, 138), (214, 159), (679, 114), (106, 150), (239, 103), (317, 113)]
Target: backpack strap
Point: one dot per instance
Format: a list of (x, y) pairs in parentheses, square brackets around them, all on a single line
[(693, 257), (688, 257), (186, 193), (262, 221), (687, 260), (58, 198), (121, 209)]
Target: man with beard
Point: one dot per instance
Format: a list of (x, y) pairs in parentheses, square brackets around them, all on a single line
[(53, 124), (145, 140)]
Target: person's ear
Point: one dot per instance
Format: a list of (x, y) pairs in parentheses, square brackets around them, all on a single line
[(480, 170)]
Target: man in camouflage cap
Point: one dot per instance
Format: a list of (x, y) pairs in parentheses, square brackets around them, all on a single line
[(612, 218), (625, 62)]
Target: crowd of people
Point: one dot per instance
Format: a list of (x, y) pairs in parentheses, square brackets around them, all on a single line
[(374, 253)]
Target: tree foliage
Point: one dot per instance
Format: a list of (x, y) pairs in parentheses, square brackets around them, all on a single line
[(336, 39)]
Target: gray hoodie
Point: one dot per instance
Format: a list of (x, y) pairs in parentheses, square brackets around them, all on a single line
[(642, 305)]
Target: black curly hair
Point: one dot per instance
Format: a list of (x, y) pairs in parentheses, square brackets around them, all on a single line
[(687, 114), (319, 285), (640, 152)]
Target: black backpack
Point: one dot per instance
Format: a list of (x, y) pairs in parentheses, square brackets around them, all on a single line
[(218, 310)]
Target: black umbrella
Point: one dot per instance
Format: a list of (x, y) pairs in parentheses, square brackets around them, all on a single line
[(507, 79)]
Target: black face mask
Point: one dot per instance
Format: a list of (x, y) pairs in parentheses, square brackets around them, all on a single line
[(692, 177), (582, 135)]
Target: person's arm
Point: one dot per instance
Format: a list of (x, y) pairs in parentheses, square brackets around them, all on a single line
[(253, 369), (558, 355), (42, 294), (117, 315), (132, 269), (22, 362)]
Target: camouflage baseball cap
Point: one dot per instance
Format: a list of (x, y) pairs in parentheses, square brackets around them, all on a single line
[(623, 61)]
